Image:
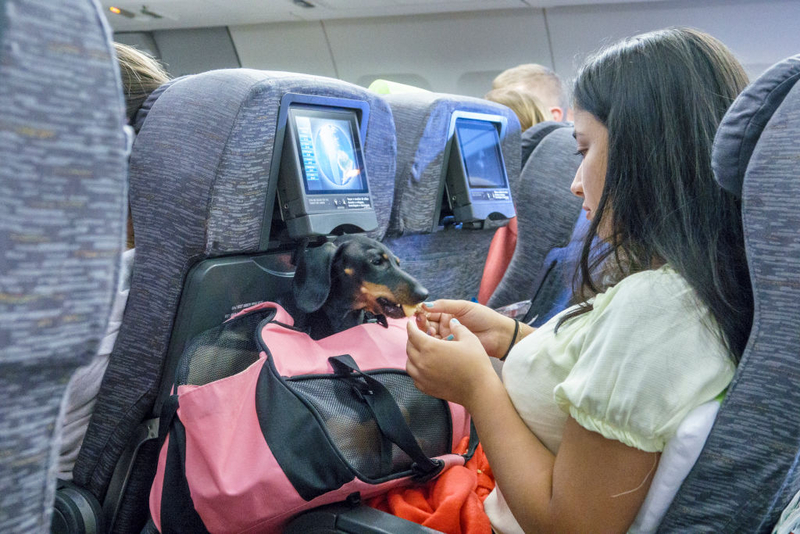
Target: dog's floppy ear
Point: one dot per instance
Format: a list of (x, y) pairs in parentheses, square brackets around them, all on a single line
[(312, 278)]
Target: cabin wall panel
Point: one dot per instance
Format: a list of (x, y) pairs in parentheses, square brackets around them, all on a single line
[(140, 40), (462, 52), (760, 33), (196, 50), (287, 46), (452, 53), (455, 52)]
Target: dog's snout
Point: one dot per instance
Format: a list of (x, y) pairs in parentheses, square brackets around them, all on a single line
[(420, 293)]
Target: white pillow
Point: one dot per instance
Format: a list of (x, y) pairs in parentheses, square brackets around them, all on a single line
[(790, 518), (678, 458)]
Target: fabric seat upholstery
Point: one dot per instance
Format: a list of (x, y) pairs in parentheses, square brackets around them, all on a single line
[(748, 471), (199, 178), (449, 262), (546, 214), (63, 150)]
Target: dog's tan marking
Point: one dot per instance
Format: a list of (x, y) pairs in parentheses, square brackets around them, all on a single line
[(378, 290), (348, 271), (385, 256), (370, 293)]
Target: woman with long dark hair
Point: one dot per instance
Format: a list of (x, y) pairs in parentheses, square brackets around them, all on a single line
[(588, 401)]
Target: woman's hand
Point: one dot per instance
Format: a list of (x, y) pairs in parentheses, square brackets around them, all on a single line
[(456, 370), (492, 329)]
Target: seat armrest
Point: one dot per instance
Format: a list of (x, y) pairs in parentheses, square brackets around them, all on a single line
[(359, 519)]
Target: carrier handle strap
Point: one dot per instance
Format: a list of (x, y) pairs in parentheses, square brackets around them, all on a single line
[(388, 416)]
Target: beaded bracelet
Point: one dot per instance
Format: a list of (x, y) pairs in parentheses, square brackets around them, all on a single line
[(513, 340)]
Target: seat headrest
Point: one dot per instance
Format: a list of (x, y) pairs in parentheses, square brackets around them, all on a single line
[(423, 121), (147, 105), (531, 137), (547, 210), (742, 125), (215, 132)]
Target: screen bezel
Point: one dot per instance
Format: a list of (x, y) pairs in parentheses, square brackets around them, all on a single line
[(332, 113), (497, 150), (444, 195), (283, 147)]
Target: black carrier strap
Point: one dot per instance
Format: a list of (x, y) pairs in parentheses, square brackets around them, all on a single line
[(387, 415)]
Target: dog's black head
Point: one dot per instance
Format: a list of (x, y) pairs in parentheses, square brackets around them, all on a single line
[(351, 276)]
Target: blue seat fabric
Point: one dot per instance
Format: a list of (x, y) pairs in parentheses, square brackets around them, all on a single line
[(449, 262), (63, 163), (546, 214), (199, 178), (748, 471)]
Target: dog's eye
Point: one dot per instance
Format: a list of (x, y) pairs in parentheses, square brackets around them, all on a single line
[(377, 261)]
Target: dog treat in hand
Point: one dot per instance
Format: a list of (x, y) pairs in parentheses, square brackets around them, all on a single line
[(411, 311)]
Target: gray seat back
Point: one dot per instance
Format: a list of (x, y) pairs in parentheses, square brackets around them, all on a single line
[(62, 203), (546, 212), (200, 183), (448, 262), (748, 470)]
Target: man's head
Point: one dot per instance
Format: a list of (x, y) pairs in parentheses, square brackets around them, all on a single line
[(539, 81)]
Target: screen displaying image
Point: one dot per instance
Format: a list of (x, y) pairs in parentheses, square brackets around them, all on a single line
[(330, 154), (480, 148)]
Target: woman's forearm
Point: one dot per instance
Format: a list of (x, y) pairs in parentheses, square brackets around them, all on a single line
[(522, 465)]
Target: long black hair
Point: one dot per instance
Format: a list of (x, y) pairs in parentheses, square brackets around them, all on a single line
[(661, 95)]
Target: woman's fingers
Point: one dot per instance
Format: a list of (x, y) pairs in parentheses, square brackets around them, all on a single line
[(416, 337), (452, 307)]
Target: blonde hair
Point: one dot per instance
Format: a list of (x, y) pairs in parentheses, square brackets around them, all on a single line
[(528, 108), (141, 75), (536, 80)]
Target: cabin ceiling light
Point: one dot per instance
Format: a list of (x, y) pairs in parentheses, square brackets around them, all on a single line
[(123, 12)]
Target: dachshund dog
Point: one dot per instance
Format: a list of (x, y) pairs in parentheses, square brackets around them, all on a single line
[(344, 283)]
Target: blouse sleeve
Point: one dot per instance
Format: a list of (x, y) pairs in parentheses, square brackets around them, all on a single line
[(647, 359)]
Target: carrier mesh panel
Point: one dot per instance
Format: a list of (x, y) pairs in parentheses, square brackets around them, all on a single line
[(222, 351), (355, 433)]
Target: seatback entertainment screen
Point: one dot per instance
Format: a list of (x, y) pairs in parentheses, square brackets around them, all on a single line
[(480, 149), (322, 182), (476, 180), (331, 157)]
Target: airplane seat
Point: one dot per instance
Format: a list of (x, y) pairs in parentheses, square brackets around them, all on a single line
[(546, 223), (202, 189), (748, 470), (554, 288), (447, 261), (63, 148)]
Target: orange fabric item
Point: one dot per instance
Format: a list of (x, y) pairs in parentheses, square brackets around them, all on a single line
[(500, 251), (451, 503)]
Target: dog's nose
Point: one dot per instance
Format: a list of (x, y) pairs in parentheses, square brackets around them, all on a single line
[(420, 293)]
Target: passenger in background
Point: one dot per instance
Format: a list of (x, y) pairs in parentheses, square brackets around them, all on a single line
[(575, 429), (529, 110), (141, 75), (539, 82)]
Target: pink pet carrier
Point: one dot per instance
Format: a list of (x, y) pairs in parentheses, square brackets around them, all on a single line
[(265, 423)]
